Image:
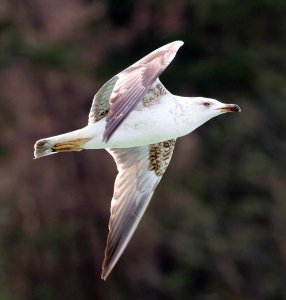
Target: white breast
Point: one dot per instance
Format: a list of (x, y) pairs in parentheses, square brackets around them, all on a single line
[(151, 122)]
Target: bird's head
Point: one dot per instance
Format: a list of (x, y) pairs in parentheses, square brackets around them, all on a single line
[(212, 107), (203, 109)]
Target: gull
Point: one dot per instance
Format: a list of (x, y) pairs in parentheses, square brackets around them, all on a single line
[(137, 120)]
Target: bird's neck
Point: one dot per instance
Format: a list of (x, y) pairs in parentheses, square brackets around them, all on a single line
[(190, 118)]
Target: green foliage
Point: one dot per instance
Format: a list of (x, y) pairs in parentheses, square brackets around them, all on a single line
[(50, 55)]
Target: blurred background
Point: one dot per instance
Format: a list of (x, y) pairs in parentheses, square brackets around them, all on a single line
[(216, 227)]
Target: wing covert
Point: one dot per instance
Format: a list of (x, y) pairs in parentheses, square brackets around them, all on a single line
[(100, 104)]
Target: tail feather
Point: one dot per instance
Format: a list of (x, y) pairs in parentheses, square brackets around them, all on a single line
[(43, 148), (50, 146)]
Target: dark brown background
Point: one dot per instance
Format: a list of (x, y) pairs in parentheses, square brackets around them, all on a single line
[(215, 228)]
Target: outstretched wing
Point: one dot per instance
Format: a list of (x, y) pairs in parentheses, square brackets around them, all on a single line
[(140, 169), (122, 93)]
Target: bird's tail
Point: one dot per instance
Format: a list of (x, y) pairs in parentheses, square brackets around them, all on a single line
[(60, 143)]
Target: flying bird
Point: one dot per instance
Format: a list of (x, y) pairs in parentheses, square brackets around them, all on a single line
[(137, 120)]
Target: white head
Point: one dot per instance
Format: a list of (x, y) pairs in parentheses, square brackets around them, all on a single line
[(203, 109)]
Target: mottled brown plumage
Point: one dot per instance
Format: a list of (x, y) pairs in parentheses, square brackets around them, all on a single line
[(153, 95), (160, 155), (100, 104)]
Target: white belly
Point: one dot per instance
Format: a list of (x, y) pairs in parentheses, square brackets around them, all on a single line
[(144, 125)]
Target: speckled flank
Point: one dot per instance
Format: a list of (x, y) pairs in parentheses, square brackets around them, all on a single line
[(153, 95), (160, 155)]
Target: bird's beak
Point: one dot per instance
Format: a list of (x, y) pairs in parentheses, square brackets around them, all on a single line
[(229, 108)]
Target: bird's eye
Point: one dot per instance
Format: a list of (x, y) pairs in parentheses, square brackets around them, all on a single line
[(206, 104)]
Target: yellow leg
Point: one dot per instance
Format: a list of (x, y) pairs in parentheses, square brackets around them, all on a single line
[(75, 145)]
